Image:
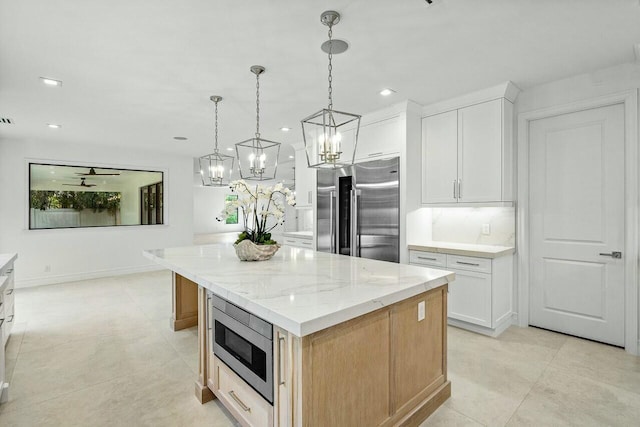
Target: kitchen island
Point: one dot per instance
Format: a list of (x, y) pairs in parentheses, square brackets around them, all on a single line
[(355, 341)]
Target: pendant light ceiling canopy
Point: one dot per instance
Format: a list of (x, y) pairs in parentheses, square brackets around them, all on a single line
[(330, 136), (216, 168), (258, 157)]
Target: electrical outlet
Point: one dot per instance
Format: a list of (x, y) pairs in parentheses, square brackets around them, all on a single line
[(47, 268), (486, 229), (421, 311)]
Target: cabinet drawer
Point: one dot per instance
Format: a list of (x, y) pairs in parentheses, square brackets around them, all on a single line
[(249, 408), (299, 243), (481, 265), (431, 259)]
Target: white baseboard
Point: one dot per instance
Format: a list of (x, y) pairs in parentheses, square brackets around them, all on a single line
[(500, 328), (87, 275), (514, 319)]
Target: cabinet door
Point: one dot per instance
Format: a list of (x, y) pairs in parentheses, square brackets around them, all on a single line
[(379, 139), (304, 180), (470, 298), (439, 157), (480, 152)]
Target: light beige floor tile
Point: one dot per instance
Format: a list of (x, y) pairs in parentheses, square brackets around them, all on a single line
[(160, 397), (447, 417), (566, 399), (600, 362), (79, 364), (490, 377)]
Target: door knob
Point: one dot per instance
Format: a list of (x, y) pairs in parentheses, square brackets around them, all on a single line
[(614, 254)]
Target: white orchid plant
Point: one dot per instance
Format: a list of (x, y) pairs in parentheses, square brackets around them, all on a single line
[(258, 204)]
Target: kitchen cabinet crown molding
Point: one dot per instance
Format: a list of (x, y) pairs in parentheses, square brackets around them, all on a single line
[(507, 90)]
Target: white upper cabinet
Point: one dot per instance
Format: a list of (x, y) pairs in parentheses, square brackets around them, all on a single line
[(305, 180), (480, 152), (440, 158), (379, 139), (467, 154)]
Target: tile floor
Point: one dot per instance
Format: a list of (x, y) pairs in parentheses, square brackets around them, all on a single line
[(101, 353)]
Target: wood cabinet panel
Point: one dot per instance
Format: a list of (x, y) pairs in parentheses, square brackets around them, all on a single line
[(345, 373), (246, 405), (418, 346), (185, 303)]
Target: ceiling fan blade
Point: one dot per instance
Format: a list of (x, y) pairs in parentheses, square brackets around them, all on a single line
[(92, 172)]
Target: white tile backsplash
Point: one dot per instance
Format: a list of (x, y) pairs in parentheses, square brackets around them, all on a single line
[(464, 225)]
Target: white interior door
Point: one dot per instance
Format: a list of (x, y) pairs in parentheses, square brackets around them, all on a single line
[(577, 218)]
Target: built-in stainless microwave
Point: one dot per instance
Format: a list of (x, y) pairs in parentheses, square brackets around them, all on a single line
[(244, 342)]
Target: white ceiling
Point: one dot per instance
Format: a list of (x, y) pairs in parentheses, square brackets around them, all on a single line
[(137, 73)]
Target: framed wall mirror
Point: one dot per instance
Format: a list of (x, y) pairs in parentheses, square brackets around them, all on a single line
[(65, 196)]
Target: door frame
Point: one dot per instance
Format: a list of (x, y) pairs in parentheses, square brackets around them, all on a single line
[(629, 99)]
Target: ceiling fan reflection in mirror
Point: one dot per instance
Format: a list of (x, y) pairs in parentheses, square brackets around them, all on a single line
[(82, 184), (92, 172)]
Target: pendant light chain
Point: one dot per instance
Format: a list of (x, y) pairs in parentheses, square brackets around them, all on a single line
[(257, 105), (330, 69), (216, 133)]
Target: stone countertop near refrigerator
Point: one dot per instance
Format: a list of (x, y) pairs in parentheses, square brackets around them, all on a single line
[(7, 258), (464, 249), (301, 292), (299, 234)]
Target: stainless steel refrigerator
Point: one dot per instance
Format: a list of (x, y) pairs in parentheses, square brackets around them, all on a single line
[(359, 210)]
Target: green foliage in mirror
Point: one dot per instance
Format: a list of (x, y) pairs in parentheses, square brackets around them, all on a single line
[(98, 201)]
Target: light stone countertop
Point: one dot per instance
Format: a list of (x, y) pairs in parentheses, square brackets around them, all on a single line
[(299, 234), (6, 259), (465, 249), (300, 290)]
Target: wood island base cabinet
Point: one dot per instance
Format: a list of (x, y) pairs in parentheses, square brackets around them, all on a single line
[(184, 303), (385, 368)]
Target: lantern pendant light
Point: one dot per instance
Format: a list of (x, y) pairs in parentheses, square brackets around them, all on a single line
[(331, 136), (258, 157), (216, 168)]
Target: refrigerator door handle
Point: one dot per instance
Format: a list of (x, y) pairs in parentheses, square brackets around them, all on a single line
[(355, 215), (332, 228)]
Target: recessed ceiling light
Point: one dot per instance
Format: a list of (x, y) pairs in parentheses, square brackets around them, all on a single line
[(291, 157), (387, 92), (180, 138), (229, 149), (51, 82), (54, 126), (285, 129)]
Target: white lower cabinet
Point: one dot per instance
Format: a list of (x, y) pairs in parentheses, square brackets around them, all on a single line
[(298, 242), (480, 298), (7, 319)]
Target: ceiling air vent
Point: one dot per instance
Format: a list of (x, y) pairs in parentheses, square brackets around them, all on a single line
[(6, 121)]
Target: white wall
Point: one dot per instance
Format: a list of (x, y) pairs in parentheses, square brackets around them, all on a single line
[(75, 254), (208, 202), (599, 83)]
